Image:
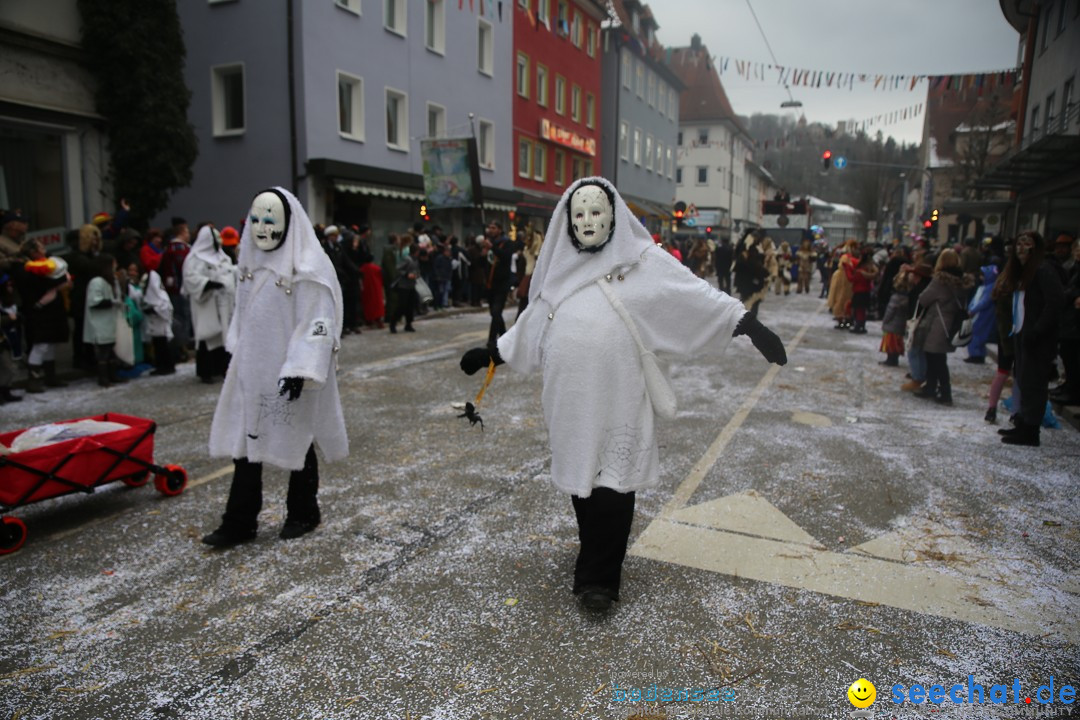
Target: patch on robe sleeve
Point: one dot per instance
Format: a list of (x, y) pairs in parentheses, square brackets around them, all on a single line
[(320, 330)]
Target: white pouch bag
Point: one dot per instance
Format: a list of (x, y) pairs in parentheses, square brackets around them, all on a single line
[(656, 384)]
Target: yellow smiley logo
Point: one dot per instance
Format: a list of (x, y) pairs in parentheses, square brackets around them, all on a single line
[(862, 693)]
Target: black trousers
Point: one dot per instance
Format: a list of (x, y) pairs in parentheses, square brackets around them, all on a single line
[(350, 300), (604, 520), (723, 280), (1032, 374), (406, 305), (245, 494), (163, 359), (210, 363), (496, 304), (1069, 350), (937, 375)]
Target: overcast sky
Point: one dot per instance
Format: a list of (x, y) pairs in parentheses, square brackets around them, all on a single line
[(901, 37)]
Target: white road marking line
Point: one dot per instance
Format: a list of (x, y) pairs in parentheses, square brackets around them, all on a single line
[(705, 464), (212, 476)]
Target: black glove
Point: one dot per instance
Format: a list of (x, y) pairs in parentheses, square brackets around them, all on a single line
[(149, 311), (106, 303), (291, 386), (765, 340), (478, 358), (212, 285)]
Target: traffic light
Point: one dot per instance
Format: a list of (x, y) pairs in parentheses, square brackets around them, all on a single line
[(679, 213), (424, 212), (826, 159), (927, 228), (708, 232)]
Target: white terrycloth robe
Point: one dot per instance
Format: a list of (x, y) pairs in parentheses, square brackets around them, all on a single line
[(287, 324), (211, 310), (600, 420), (159, 322)]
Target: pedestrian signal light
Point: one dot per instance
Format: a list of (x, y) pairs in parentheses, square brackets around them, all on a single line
[(826, 159), (928, 224)]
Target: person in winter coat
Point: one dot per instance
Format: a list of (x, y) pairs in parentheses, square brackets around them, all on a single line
[(751, 277), (894, 322), (82, 264), (723, 256), (1068, 392), (840, 288), (40, 286), (157, 323), (10, 337), (280, 398), (99, 323), (943, 303), (602, 293), (372, 297), (783, 269), (1001, 296), (919, 276), (152, 250), (209, 283), (981, 308), (1038, 297), (860, 274), (405, 274), (804, 257)]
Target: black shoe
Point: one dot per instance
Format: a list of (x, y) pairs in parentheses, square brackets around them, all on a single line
[(925, 394), (943, 400), (1005, 432), (889, 363), (410, 328), (7, 396), (227, 537), (1024, 435), (976, 359), (596, 600), (393, 329), (294, 529), (171, 371), (991, 416)]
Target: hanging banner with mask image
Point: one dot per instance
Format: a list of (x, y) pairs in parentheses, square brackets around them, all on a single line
[(451, 172)]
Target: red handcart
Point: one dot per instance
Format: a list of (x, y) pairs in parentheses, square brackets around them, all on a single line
[(80, 465)]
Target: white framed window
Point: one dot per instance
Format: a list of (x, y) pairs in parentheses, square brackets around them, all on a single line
[(485, 47), (486, 144), (394, 18), (563, 21), (1035, 123), (560, 168), (661, 101), (436, 120), (539, 167), (435, 26), (678, 141), (702, 175), (575, 103), (678, 175), (575, 30), (637, 146), (397, 120), (543, 11), (652, 89), (541, 85), (560, 94), (702, 137), (227, 104), (639, 73), (627, 72), (590, 110), (590, 40), (350, 106), (1050, 100), (670, 164), (624, 140), (522, 75), (352, 6), (659, 158), (524, 158), (1066, 103), (673, 104), (648, 152)]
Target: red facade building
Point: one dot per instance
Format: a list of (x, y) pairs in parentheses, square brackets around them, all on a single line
[(556, 86)]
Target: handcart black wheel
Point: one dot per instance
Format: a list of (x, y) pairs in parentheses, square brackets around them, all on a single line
[(12, 534), (172, 481), (138, 479)]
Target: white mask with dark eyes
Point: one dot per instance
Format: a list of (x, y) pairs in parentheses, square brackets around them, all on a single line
[(268, 221), (591, 216)]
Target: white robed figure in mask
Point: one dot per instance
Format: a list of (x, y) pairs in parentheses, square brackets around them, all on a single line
[(210, 281), (604, 299), (280, 399)]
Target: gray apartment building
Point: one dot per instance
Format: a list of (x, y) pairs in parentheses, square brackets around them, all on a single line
[(331, 98), (639, 114)]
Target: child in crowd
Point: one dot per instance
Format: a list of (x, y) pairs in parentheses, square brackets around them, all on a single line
[(893, 324), (861, 274), (99, 326), (157, 322)]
